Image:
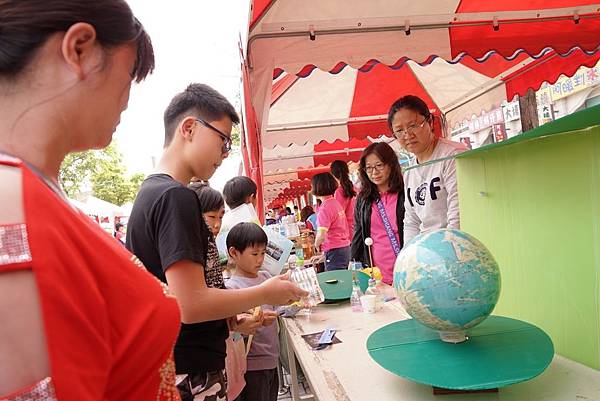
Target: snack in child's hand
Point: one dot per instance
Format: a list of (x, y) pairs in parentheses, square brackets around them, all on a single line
[(257, 313)]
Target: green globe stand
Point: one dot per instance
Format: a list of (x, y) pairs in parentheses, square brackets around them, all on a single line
[(498, 352)]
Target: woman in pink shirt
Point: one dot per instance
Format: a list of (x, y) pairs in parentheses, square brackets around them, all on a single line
[(332, 231), (379, 209), (345, 194)]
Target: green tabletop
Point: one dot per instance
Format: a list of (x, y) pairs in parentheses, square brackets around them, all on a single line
[(499, 352), (337, 284)]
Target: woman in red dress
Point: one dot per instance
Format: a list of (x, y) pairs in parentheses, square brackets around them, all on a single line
[(80, 319)]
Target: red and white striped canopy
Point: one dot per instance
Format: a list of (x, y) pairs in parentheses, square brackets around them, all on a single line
[(309, 127), (498, 49)]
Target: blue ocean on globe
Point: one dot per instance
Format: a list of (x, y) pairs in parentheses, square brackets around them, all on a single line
[(447, 280)]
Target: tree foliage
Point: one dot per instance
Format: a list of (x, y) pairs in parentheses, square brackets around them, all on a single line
[(103, 172), (235, 135), (76, 171)]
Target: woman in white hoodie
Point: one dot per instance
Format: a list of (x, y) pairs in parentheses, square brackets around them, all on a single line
[(431, 200)]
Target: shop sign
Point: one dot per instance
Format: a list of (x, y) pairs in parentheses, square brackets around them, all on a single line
[(460, 129), (543, 96), (583, 78), (511, 111), (499, 132), (545, 114), (486, 120)]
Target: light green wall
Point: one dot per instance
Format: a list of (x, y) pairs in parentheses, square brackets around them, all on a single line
[(539, 214)]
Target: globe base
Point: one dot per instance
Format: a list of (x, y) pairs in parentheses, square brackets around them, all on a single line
[(453, 337)]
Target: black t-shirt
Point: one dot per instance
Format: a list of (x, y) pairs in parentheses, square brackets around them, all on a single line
[(166, 227)]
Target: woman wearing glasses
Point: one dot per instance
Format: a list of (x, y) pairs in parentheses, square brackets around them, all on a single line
[(379, 209), (431, 193)]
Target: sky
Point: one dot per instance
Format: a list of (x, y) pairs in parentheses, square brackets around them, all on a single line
[(194, 41)]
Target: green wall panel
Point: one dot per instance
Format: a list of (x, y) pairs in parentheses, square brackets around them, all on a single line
[(536, 205)]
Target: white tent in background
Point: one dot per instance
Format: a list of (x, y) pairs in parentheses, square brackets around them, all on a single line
[(126, 209), (100, 211), (79, 205), (103, 207)]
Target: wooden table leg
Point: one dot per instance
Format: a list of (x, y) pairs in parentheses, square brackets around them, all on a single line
[(292, 364)]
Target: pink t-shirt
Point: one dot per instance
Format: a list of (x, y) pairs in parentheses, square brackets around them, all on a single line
[(331, 217), (348, 206), (383, 253)]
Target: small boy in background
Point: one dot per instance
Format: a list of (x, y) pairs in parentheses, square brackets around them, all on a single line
[(246, 244), (240, 190)]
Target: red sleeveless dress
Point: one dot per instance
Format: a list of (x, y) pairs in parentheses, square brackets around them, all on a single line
[(109, 325)]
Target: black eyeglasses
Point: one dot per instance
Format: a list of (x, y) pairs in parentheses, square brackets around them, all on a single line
[(409, 130), (226, 138), (377, 167)]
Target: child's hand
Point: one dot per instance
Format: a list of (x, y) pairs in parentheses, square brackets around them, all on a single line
[(269, 317), (232, 323), (279, 290), (248, 324)]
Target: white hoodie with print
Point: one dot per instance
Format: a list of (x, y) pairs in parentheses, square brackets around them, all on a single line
[(431, 200)]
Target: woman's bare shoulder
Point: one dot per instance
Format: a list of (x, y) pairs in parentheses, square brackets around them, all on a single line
[(23, 353)]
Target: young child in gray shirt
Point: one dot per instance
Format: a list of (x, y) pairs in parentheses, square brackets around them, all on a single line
[(246, 245)]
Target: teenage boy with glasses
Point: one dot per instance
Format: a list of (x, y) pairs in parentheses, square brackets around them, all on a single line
[(167, 232)]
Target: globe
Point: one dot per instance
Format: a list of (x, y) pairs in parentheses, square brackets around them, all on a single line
[(448, 281)]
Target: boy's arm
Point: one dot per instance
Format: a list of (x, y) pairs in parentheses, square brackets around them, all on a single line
[(199, 303)]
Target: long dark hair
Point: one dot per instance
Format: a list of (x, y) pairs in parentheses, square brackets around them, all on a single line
[(388, 157), (26, 25), (339, 169)]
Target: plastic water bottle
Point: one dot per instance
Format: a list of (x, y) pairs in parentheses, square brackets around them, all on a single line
[(306, 278), (355, 298), (299, 255), (281, 229), (354, 265), (373, 290), (292, 262)]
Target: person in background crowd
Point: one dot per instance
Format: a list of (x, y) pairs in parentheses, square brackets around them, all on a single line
[(431, 192), (120, 232), (240, 190), (379, 209), (270, 217), (308, 216), (296, 213), (282, 213), (332, 231), (167, 232), (246, 244), (212, 207), (288, 212), (345, 194), (80, 319)]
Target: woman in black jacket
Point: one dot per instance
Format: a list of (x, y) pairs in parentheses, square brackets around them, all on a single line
[(379, 211)]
